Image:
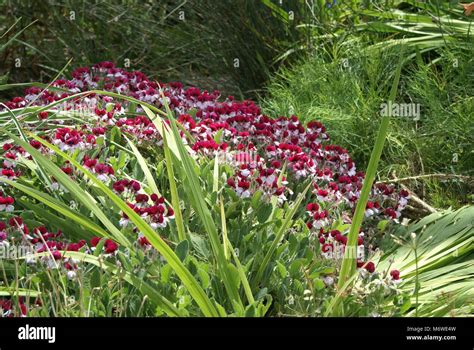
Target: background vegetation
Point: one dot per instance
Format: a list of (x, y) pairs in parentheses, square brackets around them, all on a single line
[(193, 41), (348, 100)]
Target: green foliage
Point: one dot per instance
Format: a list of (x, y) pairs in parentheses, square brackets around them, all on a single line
[(445, 252), (348, 267), (342, 87), (423, 26)]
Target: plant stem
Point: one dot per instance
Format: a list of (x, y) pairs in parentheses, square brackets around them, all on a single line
[(416, 280), (349, 262)]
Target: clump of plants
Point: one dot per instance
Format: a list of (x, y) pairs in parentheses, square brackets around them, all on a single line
[(133, 197)]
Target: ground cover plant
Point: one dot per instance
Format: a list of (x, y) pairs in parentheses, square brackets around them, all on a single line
[(130, 197)]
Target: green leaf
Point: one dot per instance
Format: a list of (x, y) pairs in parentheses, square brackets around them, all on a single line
[(263, 212), (282, 270), (173, 189), (224, 231), (13, 292), (163, 130), (348, 266), (182, 249), (196, 196), (256, 202), (382, 225), (200, 245), (73, 230), (150, 180), (281, 232), (204, 277), (95, 279), (318, 284), (234, 274), (166, 273), (145, 288)]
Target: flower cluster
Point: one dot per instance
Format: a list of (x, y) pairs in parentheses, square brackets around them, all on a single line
[(6, 203), (16, 233), (104, 172), (7, 308), (152, 208), (71, 139)]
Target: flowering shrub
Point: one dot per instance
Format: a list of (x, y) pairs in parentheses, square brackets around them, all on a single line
[(265, 162)]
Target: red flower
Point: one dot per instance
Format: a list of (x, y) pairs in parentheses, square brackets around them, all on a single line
[(67, 170), (43, 115), (36, 144), (231, 182), (143, 241), (135, 185), (110, 246), (7, 146), (23, 309), (312, 207), (95, 241), (8, 173), (73, 247), (56, 255), (327, 248), (15, 222), (370, 266), (141, 198), (395, 274)]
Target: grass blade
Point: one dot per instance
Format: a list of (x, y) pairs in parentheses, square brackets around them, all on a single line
[(57, 206), (144, 166), (80, 194), (173, 189), (348, 266), (138, 283)]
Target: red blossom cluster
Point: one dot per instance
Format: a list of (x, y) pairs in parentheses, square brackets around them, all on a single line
[(151, 208), (7, 308), (6, 203), (104, 172), (16, 232)]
